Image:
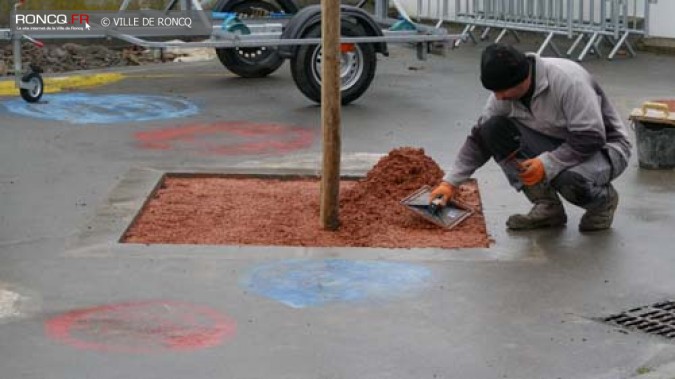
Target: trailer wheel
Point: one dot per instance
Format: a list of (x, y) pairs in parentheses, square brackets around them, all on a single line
[(251, 62), (357, 65), (37, 86)]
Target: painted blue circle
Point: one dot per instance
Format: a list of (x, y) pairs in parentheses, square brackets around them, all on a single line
[(82, 108), (311, 283)]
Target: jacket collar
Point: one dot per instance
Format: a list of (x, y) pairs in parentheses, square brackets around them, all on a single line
[(541, 75)]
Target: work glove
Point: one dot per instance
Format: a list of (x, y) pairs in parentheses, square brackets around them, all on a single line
[(532, 171), (444, 191)]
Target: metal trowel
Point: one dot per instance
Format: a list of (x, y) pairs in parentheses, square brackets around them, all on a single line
[(448, 216)]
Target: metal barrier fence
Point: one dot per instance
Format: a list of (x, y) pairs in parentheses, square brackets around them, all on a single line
[(588, 23)]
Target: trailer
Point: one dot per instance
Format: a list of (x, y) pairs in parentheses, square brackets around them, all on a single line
[(252, 38)]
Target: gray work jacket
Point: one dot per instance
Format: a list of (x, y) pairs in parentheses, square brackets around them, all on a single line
[(567, 104)]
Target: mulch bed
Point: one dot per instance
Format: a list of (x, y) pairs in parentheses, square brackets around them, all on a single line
[(259, 211)]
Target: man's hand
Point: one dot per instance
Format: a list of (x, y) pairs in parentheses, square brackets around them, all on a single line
[(532, 171), (444, 191)]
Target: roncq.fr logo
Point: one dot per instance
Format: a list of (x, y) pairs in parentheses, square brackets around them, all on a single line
[(51, 19)]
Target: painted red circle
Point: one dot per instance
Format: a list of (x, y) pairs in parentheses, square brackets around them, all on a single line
[(142, 327), (229, 138)]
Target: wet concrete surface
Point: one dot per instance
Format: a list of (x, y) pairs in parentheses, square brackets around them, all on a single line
[(527, 307)]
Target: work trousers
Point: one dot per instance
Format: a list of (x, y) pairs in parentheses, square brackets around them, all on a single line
[(585, 185)]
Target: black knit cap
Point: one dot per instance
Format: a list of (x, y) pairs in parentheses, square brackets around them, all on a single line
[(503, 67)]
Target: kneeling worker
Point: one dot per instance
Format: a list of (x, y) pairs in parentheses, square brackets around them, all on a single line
[(552, 130)]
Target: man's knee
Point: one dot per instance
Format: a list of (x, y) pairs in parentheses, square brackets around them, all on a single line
[(500, 135), (498, 128)]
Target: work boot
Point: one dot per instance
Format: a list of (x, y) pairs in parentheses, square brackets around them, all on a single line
[(547, 211), (600, 218)]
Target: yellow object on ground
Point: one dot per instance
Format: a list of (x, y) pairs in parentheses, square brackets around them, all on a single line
[(60, 83)]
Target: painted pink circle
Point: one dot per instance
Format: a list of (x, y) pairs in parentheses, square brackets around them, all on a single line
[(142, 327), (229, 138)]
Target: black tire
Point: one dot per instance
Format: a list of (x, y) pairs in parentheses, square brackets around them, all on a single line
[(251, 62), (355, 83), (32, 95)]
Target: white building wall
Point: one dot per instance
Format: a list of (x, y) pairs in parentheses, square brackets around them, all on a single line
[(662, 19)]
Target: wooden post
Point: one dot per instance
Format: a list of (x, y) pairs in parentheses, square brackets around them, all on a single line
[(330, 113)]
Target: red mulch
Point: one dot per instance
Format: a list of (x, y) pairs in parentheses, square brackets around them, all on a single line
[(257, 211)]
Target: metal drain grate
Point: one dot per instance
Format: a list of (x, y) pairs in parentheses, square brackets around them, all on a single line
[(658, 319)]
